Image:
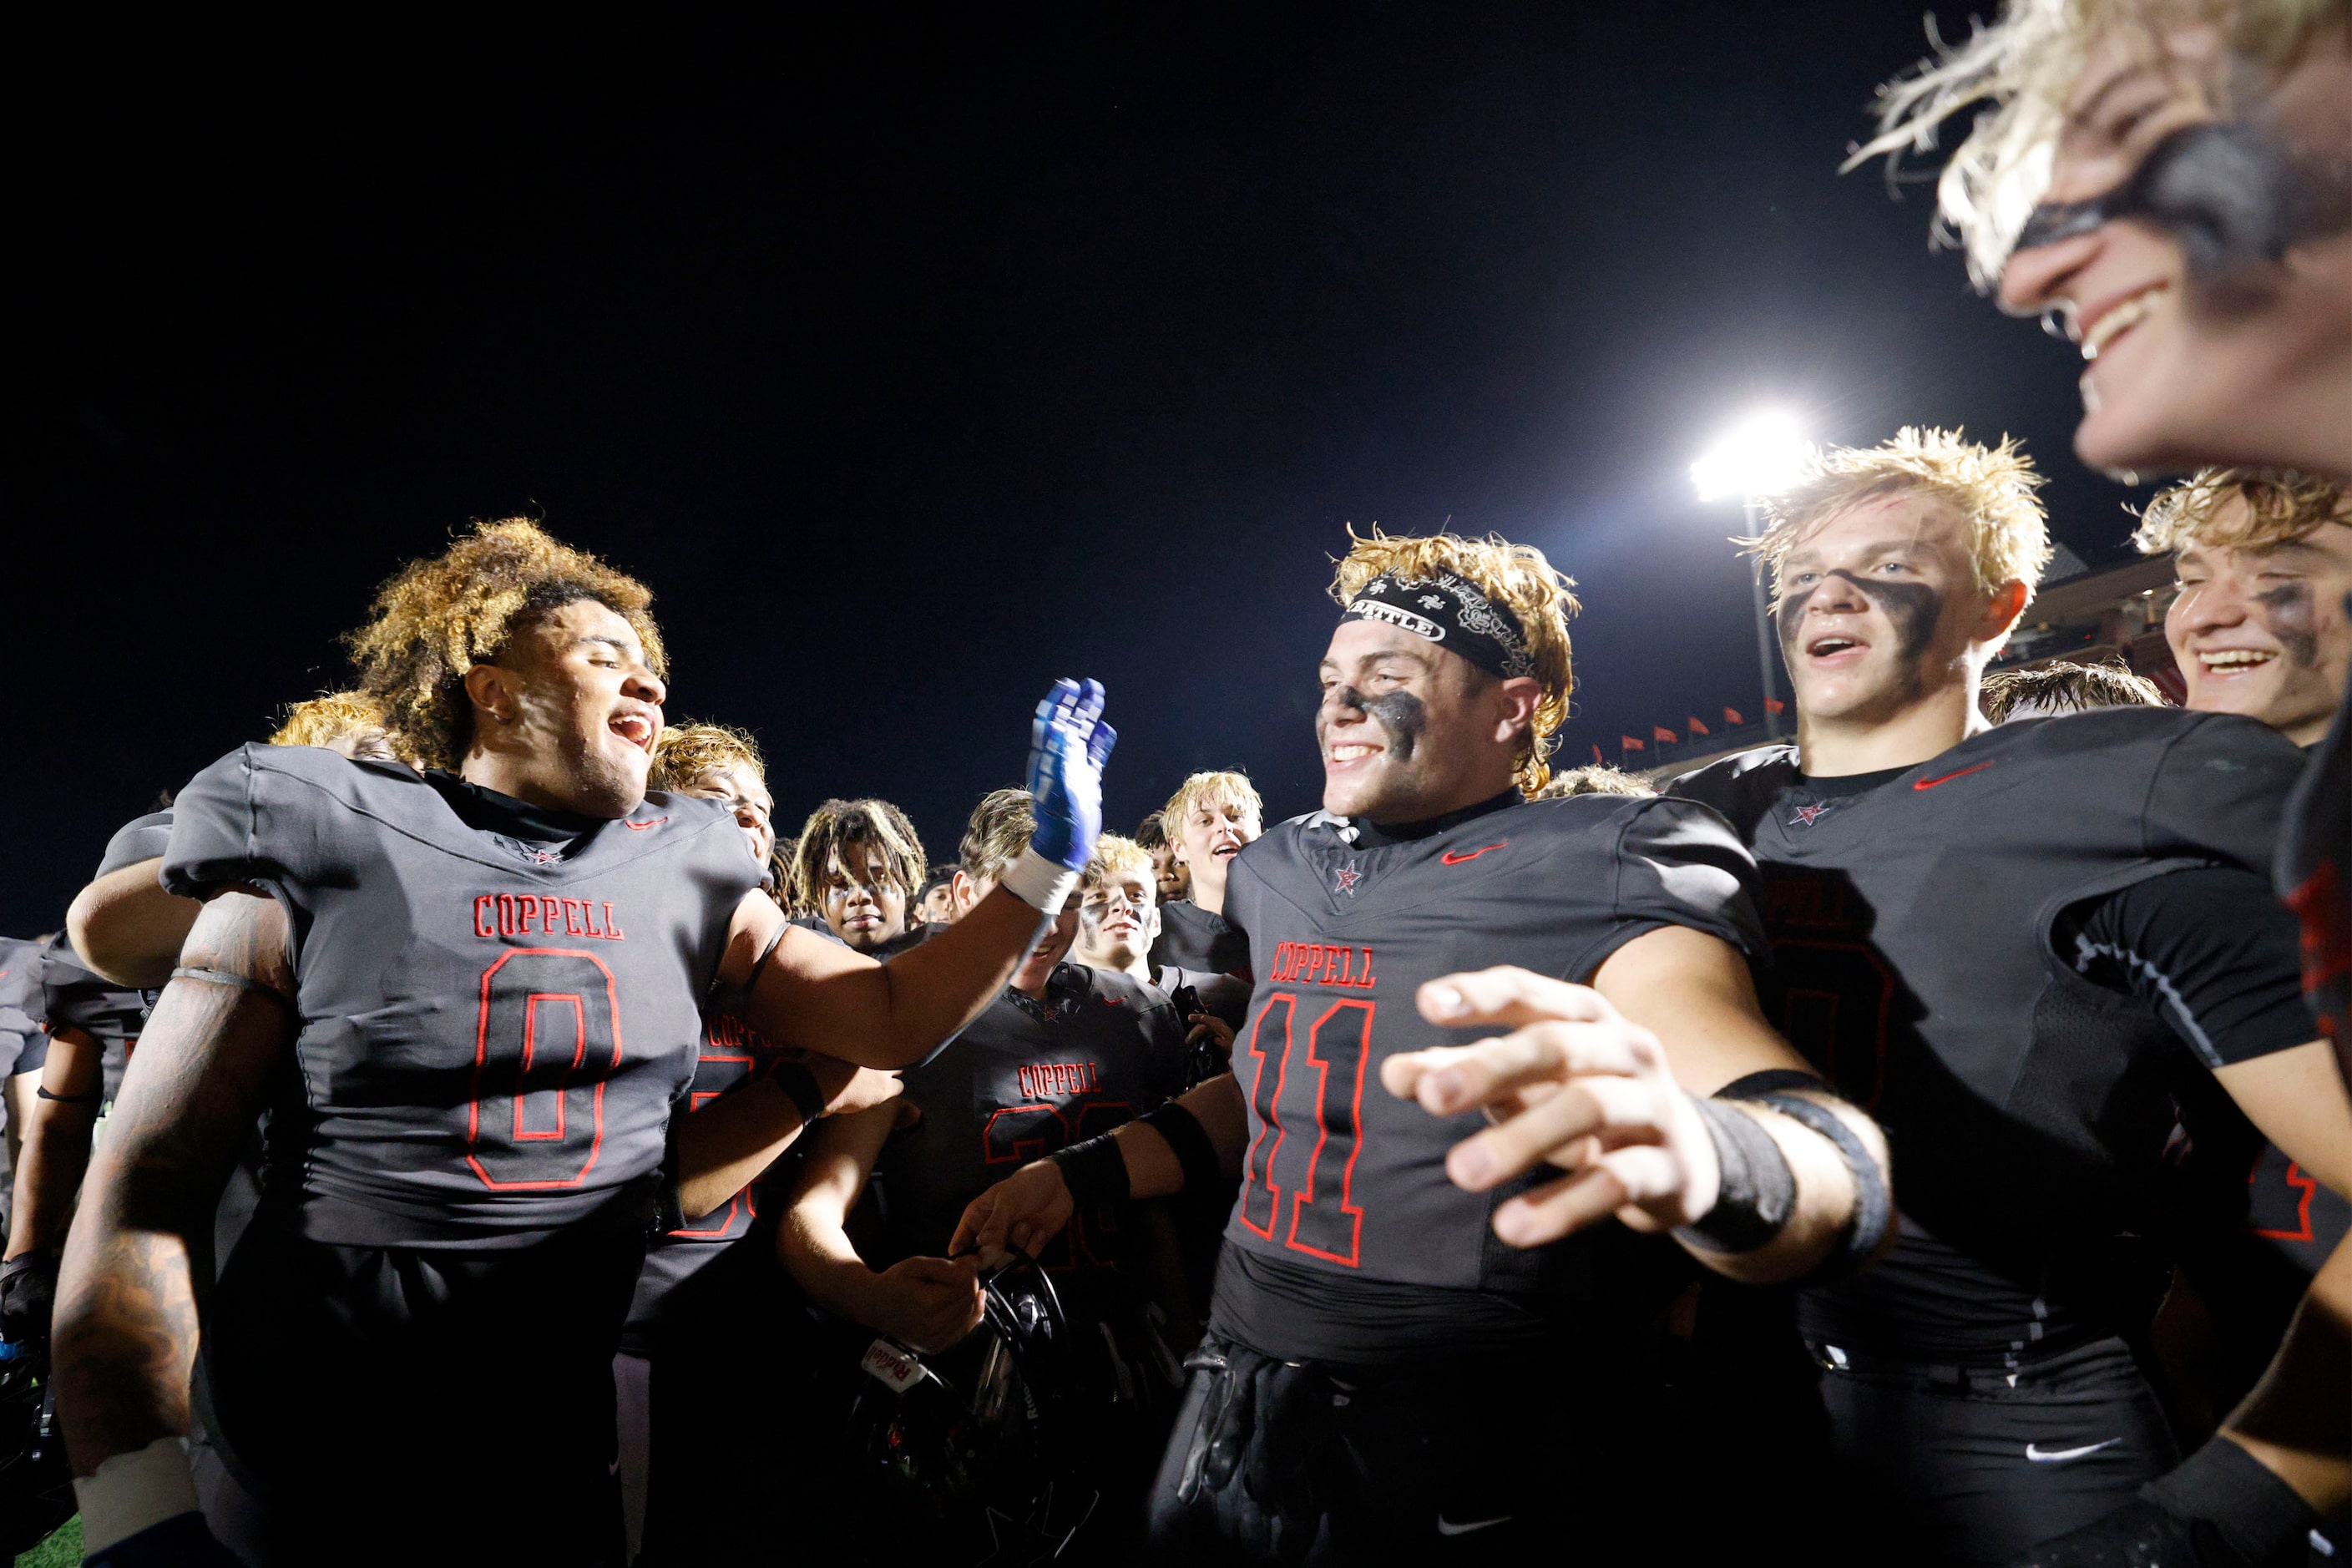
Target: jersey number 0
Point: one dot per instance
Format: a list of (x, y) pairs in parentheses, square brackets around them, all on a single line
[(547, 1036)]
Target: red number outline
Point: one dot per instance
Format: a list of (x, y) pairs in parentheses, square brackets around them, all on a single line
[(481, 1060), (1304, 1199), (1269, 1109), (741, 1200)]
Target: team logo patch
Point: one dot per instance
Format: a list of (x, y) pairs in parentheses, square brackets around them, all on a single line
[(1806, 816), (1348, 876)]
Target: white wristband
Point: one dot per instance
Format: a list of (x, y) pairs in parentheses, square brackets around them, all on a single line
[(131, 1492), (1044, 885)]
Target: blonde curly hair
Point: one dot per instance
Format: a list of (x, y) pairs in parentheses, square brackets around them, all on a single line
[(2025, 69), (684, 753), (1113, 854), (324, 720), (2279, 509), (1992, 488), (1516, 576), (435, 619)]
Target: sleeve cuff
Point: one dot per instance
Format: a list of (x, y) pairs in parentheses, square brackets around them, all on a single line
[(1044, 885), (131, 1492)]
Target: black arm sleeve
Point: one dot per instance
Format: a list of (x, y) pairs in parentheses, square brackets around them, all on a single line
[(2213, 950)]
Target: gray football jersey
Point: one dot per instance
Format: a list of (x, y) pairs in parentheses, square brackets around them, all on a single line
[(1915, 931), (490, 1039), (1344, 1177), (141, 838)]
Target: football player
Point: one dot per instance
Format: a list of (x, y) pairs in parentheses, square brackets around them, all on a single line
[(91, 1028), (1066, 1054), (938, 902), (1209, 820), (1118, 916), (467, 997), (2167, 185), (1395, 1368), (860, 863), (1152, 834), (2009, 943)]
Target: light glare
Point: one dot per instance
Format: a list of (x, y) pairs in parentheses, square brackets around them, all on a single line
[(1757, 456)]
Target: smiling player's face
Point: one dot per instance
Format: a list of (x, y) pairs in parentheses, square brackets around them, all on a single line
[(2254, 367), (1407, 729), (1877, 605), (2264, 632), (576, 711)]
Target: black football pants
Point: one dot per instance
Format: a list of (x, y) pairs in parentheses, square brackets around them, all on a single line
[(1949, 1465), (1509, 1458), (403, 1406)]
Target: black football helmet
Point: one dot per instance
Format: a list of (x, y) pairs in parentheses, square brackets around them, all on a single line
[(1000, 1444)]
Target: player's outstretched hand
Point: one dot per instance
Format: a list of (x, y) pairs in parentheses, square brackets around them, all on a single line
[(1068, 744), (1574, 1083), (926, 1304), (1025, 1210)]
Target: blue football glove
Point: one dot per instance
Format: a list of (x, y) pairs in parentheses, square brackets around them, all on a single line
[(1069, 743), (182, 1540)]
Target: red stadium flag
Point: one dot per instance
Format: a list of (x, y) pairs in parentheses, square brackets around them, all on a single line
[(1695, 727), (1731, 717), (1627, 744), (1660, 732), (1774, 705), (1598, 760)]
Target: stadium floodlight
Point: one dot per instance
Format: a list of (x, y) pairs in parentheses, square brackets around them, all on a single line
[(1756, 457)]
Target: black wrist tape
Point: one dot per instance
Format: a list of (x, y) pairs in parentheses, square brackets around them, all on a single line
[(1194, 1153), (1874, 1205), (1094, 1171), (800, 1086), (2260, 1516), (1758, 1189)]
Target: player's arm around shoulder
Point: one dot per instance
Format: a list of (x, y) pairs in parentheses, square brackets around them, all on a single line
[(125, 1333), (1618, 1083), (127, 928)]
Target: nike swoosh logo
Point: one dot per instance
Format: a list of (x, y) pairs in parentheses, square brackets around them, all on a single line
[(1451, 858), (1931, 783), (1444, 1525), (2060, 1455), (641, 827)]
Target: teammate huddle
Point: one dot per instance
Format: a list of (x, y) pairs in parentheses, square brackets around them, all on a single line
[(505, 1151)]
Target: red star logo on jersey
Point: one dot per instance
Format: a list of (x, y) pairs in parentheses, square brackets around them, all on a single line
[(1809, 815), (1347, 878)]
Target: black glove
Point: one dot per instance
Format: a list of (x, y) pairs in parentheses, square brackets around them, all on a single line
[(28, 1290), (2221, 1509)]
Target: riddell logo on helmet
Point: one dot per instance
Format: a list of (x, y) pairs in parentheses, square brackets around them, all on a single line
[(1418, 625)]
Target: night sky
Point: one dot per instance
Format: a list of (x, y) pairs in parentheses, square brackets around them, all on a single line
[(915, 361)]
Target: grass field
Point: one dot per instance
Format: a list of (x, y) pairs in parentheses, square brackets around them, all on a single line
[(62, 1550)]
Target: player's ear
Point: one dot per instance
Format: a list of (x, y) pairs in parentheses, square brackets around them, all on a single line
[(1517, 699), (494, 691), (2002, 611)]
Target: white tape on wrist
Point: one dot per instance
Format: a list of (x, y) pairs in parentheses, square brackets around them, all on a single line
[(131, 1492), (1044, 885)]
